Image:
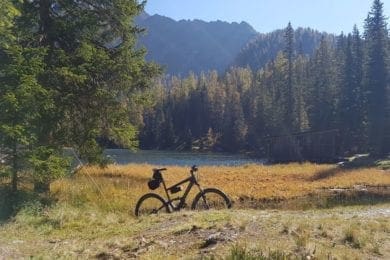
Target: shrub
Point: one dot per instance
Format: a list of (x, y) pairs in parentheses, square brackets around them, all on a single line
[(47, 166)]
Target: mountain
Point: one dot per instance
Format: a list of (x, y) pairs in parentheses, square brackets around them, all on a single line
[(265, 47), (183, 46), (195, 45)]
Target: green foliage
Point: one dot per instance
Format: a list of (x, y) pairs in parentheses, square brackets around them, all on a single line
[(48, 165), (5, 171), (93, 71), (70, 74), (376, 78), (7, 13), (350, 110), (23, 100)]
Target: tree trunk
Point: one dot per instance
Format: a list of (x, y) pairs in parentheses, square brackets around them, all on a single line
[(14, 169)]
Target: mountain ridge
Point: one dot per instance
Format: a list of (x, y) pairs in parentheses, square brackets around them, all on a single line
[(193, 45), (184, 46)]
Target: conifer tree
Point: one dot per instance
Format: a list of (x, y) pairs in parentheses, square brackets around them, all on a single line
[(376, 76), (289, 54), (92, 69), (24, 103), (322, 89), (299, 90), (350, 112)]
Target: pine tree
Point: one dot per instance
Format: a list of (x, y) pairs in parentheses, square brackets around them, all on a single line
[(299, 90), (92, 69), (234, 126), (357, 72), (322, 91), (376, 76), (282, 116), (289, 54), (350, 107), (24, 103)]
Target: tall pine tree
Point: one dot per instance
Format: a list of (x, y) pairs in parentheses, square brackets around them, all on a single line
[(93, 70), (376, 76), (289, 54)]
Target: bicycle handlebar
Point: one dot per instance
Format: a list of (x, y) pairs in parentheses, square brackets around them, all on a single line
[(194, 168), (160, 170)]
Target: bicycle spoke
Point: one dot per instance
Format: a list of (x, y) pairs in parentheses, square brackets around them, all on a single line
[(151, 204), (205, 204), (211, 199)]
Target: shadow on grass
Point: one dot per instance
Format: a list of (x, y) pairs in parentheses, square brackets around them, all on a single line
[(324, 174), (370, 196), (321, 200), (359, 162), (11, 202)]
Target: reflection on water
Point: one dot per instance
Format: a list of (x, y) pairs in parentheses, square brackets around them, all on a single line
[(179, 158)]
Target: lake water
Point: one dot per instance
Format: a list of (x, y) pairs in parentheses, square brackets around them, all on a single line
[(179, 158)]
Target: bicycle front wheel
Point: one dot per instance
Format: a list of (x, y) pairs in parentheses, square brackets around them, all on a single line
[(211, 199), (150, 204)]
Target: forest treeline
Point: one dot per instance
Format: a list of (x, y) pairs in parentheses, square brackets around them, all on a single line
[(342, 86)]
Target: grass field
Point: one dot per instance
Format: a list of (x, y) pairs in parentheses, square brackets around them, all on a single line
[(68, 232), (293, 186), (306, 213)]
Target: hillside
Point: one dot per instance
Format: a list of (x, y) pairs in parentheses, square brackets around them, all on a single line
[(266, 46), (183, 46)]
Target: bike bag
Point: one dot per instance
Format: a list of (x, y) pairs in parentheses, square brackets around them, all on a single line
[(154, 184), (176, 189)]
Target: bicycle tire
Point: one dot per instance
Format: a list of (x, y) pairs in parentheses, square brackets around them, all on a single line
[(200, 200), (149, 196)]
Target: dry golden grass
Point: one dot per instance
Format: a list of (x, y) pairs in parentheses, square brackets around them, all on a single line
[(117, 188)]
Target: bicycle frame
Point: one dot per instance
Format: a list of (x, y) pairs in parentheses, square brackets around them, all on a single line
[(166, 204), (192, 181)]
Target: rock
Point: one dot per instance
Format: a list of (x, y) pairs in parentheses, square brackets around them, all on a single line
[(212, 240), (106, 256), (54, 241)]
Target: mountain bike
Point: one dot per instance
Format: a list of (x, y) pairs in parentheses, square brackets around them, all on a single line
[(152, 203)]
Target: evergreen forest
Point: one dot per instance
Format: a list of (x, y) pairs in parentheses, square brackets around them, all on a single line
[(283, 105)]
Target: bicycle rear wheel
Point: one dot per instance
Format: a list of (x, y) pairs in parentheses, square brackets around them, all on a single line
[(150, 204), (211, 198)]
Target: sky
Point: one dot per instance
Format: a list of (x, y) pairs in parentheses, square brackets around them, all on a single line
[(333, 16)]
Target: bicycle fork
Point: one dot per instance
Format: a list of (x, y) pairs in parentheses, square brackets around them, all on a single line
[(203, 196)]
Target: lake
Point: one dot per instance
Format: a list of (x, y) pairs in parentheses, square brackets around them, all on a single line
[(179, 158)]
